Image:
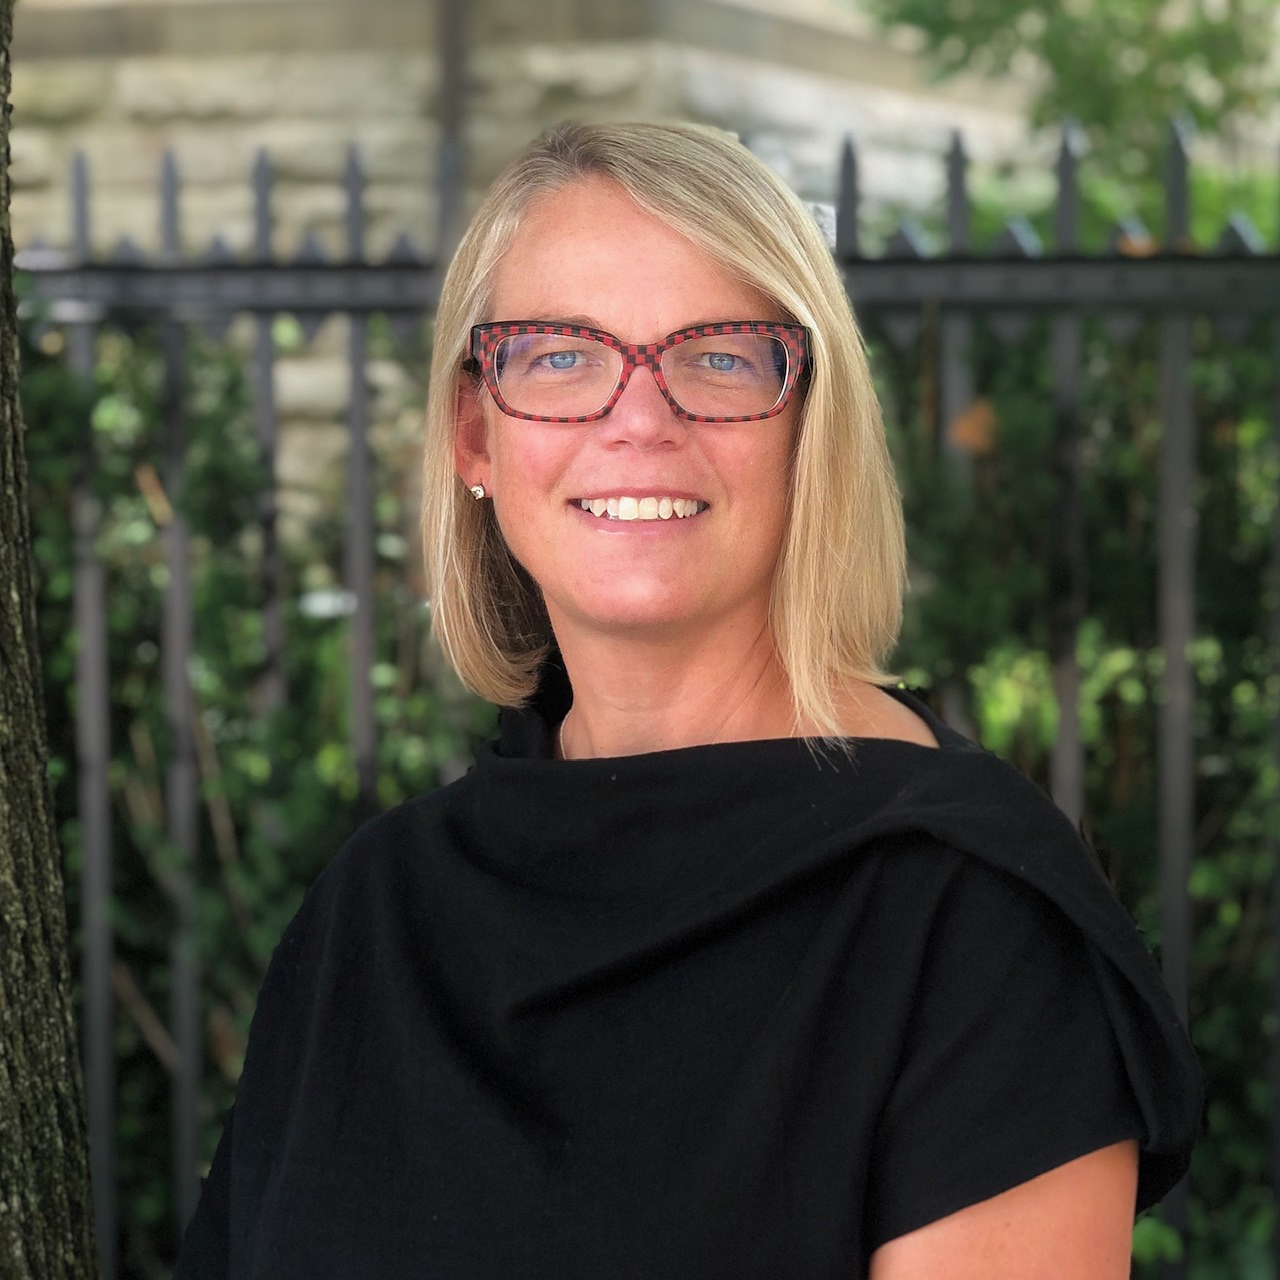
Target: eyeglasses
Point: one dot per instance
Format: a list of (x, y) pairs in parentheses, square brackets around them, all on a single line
[(736, 371)]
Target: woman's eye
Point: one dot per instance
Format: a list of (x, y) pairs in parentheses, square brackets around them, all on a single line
[(561, 359), (723, 361)]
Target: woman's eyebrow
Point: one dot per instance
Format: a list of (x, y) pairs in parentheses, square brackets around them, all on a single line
[(578, 321), (590, 322)]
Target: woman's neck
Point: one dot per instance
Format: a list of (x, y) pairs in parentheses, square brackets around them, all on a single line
[(631, 696)]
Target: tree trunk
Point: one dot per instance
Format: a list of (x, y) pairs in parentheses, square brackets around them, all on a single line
[(46, 1226)]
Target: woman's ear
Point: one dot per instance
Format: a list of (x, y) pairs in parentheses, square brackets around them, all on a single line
[(470, 435)]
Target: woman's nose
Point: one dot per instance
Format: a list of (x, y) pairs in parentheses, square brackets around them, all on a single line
[(642, 416)]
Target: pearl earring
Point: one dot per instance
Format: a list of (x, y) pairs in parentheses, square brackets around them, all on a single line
[(477, 491)]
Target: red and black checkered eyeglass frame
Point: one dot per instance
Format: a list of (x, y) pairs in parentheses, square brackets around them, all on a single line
[(485, 339)]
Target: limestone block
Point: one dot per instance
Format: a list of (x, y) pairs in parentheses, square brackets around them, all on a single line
[(312, 387), (304, 150), (492, 141), (501, 90), (398, 440), (226, 212), (314, 384), (309, 456), (536, 88), (39, 214), (307, 449), (549, 82), (392, 210), (359, 85), (383, 231), (397, 150), (31, 158), (392, 388), (312, 209), (330, 340), (215, 152), (119, 154), (585, 71), (120, 213), (301, 150), (59, 92), (134, 211), (907, 121), (744, 95), (796, 122), (165, 89)]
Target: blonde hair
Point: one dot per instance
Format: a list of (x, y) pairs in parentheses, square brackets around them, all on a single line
[(837, 593)]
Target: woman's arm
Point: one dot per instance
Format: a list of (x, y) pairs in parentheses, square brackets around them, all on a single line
[(1074, 1222)]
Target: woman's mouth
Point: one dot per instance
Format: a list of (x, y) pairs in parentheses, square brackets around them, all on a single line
[(646, 508)]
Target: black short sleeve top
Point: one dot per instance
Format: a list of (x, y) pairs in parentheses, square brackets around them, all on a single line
[(745, 1010)]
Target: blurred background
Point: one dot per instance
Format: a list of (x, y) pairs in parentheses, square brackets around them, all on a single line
[(1059, 228)]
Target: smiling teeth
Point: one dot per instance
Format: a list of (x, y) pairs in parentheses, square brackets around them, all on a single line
[(647, 508)]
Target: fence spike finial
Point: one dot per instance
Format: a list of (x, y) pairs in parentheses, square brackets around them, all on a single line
[(262, 179), (848, 199), (907, 242), (403, 254), (1177, 235), (1131, 239), (127, 253), (1240, 238), (1066, 216), (311, 252), (1018, 239), (958, 194), (353, 184), (80, 205), (1075, 142), (170, 227)]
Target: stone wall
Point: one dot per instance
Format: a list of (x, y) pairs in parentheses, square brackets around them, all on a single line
[(216, 80)]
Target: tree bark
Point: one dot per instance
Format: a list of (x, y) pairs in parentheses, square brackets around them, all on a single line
[(46, 1224)]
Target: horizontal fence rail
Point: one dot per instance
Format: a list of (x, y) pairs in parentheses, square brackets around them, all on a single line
[(1018, 281), (195, 291), (1221, 286)]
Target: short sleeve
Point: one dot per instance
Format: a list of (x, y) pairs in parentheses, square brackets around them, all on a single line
[(1010, 1066)]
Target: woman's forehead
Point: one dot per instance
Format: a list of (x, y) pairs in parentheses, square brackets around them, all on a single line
[(588, 251)]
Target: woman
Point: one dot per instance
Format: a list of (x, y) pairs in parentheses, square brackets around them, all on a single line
[(726, 959)]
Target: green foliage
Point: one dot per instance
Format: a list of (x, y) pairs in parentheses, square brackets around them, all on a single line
[(976, 621), (277, 790), (1123, 68)]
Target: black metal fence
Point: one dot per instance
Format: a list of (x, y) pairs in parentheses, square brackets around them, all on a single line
[(894, 293), (85, 295)]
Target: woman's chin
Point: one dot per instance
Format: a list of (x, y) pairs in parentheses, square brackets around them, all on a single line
[(635, 614)]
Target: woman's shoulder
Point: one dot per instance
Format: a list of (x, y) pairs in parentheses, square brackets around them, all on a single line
[(383, 859), (869, 711)]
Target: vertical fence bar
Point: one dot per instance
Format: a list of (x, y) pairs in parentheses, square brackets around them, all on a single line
[(1067, 569), (93, 753), (848, 202), (1177, 531), (956, 374), (271, 686), (177, 640), (451, 17), (1275, 838), (360, 519), (955, 386)]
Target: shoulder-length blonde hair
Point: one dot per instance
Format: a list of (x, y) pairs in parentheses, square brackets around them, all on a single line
[(837, 594)]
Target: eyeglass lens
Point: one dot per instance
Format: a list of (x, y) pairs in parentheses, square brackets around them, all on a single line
[(730, 375)]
